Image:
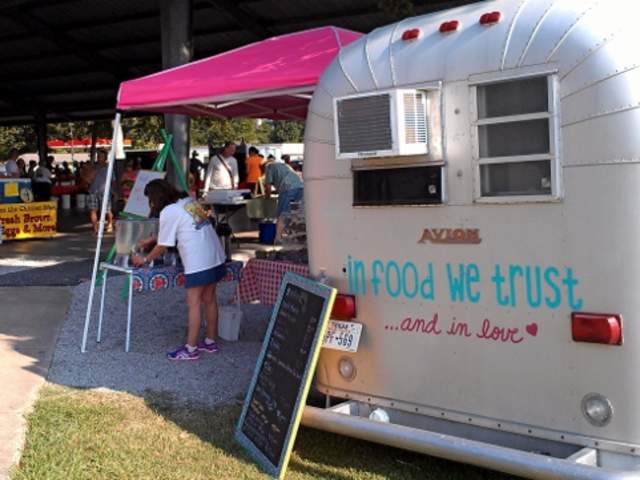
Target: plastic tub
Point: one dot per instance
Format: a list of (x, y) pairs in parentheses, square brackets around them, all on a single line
[(229, 322)]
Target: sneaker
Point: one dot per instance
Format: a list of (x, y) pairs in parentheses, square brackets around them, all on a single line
[(207, 347), (183, 354)]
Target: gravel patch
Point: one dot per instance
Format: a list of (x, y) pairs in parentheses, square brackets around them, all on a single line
[(158, 325)]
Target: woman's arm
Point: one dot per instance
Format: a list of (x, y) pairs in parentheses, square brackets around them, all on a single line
[(139, 260), (146, 242)]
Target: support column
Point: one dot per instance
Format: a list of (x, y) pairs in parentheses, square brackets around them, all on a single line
[(177, 49), (41, 135), (94, 140)]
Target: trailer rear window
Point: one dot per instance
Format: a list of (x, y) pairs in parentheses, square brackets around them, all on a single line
[(515, 126), (398, 186)]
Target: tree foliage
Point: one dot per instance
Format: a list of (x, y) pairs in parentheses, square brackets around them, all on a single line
[(207, 130), (22, 137), (144, 132), (287, 132)]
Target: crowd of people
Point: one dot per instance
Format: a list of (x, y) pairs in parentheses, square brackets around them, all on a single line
[(260, 175), (44, 174), (81, 176)]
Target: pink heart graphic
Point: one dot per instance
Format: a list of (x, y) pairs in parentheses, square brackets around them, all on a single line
[(532, 329)]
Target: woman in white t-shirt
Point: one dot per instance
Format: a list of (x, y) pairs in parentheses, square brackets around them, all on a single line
[(185, 223)]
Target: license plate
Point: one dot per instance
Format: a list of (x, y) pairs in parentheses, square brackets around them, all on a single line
[(343, 336)]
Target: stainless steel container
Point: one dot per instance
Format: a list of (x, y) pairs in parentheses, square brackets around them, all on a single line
[(128, 232)]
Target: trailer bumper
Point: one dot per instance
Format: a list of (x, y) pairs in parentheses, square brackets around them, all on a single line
[(515, 462)]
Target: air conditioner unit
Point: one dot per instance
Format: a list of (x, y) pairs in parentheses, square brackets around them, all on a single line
[(381, 124)]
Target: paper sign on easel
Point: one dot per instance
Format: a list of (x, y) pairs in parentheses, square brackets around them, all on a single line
[(138, 203)]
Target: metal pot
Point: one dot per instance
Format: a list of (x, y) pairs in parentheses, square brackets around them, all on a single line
[(129, 232)]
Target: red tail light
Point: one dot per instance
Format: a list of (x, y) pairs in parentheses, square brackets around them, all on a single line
[(344, 307), (490, 18), (451, 26), (409, 35), (602, 328)]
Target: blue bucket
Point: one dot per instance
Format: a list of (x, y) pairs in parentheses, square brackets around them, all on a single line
[(267, 233)]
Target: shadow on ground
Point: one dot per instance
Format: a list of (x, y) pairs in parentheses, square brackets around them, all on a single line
[(318, 453)]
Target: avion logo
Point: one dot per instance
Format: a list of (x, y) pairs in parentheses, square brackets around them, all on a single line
[(451, 235)]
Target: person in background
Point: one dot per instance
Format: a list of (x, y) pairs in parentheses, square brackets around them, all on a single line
[(22, 168), (66, 171), (254, 172), (59, 173), (185, 223), (33, 165), (127, 180), (222, 172), (9, 168), (50, 160), (97, 191), (83, 175), (289, 188), (195, 165), (42, 182), (287, 159)]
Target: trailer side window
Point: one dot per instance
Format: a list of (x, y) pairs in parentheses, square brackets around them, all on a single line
[(515, 130), (398, 186)]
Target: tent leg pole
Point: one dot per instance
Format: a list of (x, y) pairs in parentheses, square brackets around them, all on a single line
[(103, 214), (129, 308), (100, 316)]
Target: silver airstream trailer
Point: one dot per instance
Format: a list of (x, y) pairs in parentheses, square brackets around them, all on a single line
[(472, 179)]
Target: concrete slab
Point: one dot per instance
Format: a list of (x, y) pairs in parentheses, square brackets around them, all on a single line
[(30, 319), (73, 242)]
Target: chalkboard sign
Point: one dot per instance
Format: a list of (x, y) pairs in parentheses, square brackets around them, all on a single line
[(278, 391)]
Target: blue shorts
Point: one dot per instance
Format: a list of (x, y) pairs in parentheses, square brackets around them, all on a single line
[(205, 277), (285, 198)]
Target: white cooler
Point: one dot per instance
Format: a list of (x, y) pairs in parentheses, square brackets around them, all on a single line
[(81, 201)]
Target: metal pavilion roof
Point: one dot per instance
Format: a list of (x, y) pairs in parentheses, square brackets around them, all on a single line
[(66, 58)]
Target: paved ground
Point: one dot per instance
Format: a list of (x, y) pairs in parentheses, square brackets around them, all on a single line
[(30, 319), (29, 322), (63, 260)]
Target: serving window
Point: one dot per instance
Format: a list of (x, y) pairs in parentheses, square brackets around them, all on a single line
[(516, 136), (398, 186)]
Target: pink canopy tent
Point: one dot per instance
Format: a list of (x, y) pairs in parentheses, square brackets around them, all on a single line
[(272, 79)]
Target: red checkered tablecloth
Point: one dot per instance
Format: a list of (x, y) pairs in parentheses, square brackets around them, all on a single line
[(261, 279)]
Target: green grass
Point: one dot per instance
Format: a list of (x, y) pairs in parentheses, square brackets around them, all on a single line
[(88, 434)]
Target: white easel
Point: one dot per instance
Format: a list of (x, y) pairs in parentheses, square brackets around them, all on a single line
[(103, 214)]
